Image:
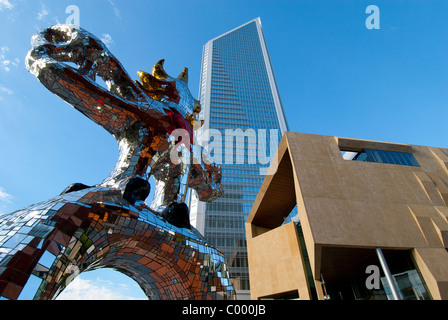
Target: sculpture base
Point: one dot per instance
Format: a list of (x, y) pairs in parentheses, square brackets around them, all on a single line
[(48, 244)]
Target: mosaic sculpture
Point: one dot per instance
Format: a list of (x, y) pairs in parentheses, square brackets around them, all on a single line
[(46, 245)]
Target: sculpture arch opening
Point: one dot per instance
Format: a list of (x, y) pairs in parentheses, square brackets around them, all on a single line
[(102, 284)]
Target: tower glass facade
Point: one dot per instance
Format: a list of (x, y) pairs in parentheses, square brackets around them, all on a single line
[(244, 122)]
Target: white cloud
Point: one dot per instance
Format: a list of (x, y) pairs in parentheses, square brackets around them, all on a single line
[(6, 90), (107, 39), (116, 10), (5, 4), (42, 13), (110, 283), (4, 196), (6, 63), (82, 289)]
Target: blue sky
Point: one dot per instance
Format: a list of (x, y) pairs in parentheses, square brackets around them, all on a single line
[(335, 77)]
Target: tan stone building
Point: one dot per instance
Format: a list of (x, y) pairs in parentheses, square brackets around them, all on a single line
[(386, 208)]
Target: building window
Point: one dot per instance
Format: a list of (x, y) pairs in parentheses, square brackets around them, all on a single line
[(382, 156)]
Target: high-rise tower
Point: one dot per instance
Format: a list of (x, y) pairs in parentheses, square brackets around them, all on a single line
[(244, 122)]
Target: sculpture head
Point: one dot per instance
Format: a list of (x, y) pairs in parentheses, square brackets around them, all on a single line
[(53, 47), (171, 91)]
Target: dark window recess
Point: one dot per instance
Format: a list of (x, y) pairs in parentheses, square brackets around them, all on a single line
[(289, 295), (382, 156)]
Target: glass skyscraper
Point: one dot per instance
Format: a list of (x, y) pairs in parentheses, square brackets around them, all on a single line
[(244, 122)]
